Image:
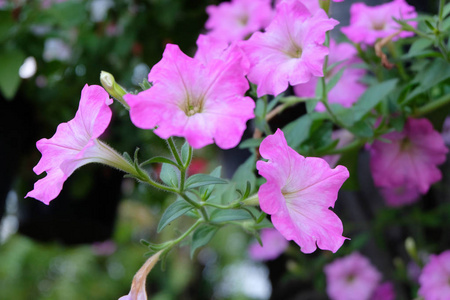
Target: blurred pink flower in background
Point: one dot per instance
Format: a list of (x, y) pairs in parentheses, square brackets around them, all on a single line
[(74, 144), (435, 278), (298, 194), (349, 88), (369, 23), (291, 49), (384, 291), (401, 195), (236, 20), (410, 159), (352, 277), (203, 103), (273, 246)]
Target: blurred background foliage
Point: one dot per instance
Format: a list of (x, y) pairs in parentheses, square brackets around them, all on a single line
[(85, 245)]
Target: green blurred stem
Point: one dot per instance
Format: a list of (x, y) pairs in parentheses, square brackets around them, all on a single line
[(399, 64), (426, 109), (441, 12), (184, 235)]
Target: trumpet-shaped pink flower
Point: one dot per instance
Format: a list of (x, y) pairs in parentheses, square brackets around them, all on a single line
[(290, 51), (411, 157), (299, 193), (348, 89), (273, 246), (351, 278), (435, 278), (74, 144), (198, 101), (236, 20), (369, 23)]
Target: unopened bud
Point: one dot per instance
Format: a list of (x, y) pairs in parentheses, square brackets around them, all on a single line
[(410, 246), (113, 88)]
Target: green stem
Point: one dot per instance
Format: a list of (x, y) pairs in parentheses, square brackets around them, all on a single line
[(427, 108), (230, 206), (252, 200), (173, 149), (155, 184), (399, 64), (184, 235)]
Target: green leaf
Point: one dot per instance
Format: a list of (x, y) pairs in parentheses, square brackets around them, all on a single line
[(202, 236), (418, 46), (434, 73), (159, 159), (169, 175), (245, 173), (250, 143), (175, 210), (350, 160), (297, 131), (334, 80), (198, 180), (371, 97), (10, 62), (362, 129), (185, 152), (205, 191), (226, 215), (6, 24)]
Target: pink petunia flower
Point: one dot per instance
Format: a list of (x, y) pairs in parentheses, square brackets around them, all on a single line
[(312, 5), (75, 144), (384, 291), (401, 195), (273, 246), (435, 278), (351, 278), (369, 23), (236, 20), (290, 51), (411, 157), (198, 101), (348, 89), (298, 194)]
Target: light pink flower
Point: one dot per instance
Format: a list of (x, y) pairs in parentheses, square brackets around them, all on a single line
[(75, 144), (351, 278), (236, 20), (348, 89), (384, 291), (312, 5), (290, 51), (435, 278), (198, 101), (369, 23), (298, 194), (401, 195), (273, 246), (410, 158)]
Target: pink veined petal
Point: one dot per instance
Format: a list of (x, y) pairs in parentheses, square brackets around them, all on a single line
[(298, 194), (71, 139), (200, 99), (290, 50)]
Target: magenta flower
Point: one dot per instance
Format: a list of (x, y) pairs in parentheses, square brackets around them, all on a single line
[(198, 101), (291, 49), (435, 278), (351, 278), (399, 196), (411, 157), (298, 194), (312, 5), (349, 88), (273, 246), (384, 291), (75, 144), (369, 23), (238, 19)]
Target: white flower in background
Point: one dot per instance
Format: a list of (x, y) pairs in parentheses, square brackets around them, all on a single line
[(56, 49)]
